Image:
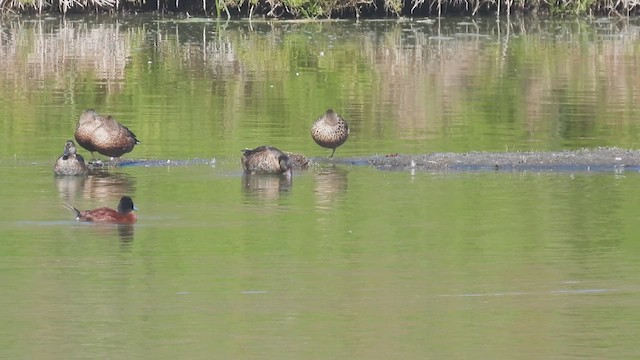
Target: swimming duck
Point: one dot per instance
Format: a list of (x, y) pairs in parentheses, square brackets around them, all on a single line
[(330, 131), (266, 160), (104, 135), (124, 214), (70, 163)]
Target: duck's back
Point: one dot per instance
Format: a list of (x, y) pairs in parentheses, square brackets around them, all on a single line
[(113, 138), (104, 135), (107, 215), (263, 159), (85, 129)]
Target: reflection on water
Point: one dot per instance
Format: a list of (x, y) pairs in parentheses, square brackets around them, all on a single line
[(69, 187), (265, 187), (102, 185), (91, 231), (420, 86), (330, 185), (360, 259), (64, 46), (125, 231)]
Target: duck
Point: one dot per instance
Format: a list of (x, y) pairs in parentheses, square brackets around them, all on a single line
[(266, 160), (70, 163), (124, 214), (330, 131), (298, 161), (104, 135)]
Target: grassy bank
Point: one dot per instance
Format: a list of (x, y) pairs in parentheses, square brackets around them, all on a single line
[(307, 9)]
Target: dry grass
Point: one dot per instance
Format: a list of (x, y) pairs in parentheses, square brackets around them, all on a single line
[(331, 8), (61, 5)]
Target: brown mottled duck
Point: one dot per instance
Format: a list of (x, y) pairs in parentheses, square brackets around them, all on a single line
[(330, 131), (70, 163), (266, 160), (104, 135)]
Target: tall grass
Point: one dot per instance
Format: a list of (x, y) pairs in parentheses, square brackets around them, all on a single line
[(331, 8), (62, 6)]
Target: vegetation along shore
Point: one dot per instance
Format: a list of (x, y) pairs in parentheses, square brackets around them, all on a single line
[(312, 9)]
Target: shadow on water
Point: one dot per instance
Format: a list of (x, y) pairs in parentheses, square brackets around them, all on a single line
[(330, 184), (101, 185), (265, 187)]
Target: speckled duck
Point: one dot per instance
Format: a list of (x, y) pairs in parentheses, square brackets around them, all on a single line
[(330, 131), (70, 163), (266, 160), (104, 135)]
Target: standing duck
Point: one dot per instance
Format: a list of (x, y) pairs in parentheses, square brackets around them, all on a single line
[(70, 163), (104, 135), (266, 160), (124, 214), (330, 131)]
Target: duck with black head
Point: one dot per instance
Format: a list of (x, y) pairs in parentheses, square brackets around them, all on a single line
[(124, 214), (70, 162), (266, 160), (105, 135)]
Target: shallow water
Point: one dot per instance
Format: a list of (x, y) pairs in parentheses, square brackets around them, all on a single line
[(346, 261)]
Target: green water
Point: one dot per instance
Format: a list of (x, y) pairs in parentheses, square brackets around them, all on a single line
[(347, 261)]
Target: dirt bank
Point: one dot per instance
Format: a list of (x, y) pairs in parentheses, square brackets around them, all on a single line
[(600, 159)]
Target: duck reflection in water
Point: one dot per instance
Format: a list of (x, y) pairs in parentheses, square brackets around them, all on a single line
[(98, 185), (125, 231), (265, 186), (102, 185), (70, 186), (330, 186)]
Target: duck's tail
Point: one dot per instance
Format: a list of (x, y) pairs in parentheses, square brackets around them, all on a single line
[(72, 208)]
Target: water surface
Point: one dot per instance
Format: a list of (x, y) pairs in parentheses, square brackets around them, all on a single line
[(346, 261)]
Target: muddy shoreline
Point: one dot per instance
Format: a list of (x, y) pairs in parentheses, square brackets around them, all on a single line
[(599, 159)]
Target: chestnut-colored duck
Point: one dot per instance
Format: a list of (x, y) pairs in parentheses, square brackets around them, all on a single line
[(330, 131), (70, 163), (266, 160), (105, 135), (124, 214)]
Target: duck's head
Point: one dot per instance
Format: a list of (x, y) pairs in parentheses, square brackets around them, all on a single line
[(88, 116), (69, 149), (286, 165), (125, 205)]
